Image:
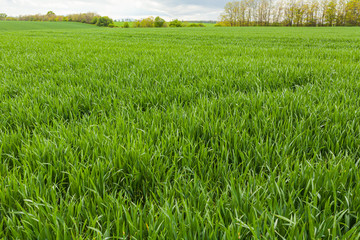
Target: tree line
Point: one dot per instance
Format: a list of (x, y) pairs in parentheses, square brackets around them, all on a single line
[(93, 18), (291, 13), (89, 18), (159, 22)]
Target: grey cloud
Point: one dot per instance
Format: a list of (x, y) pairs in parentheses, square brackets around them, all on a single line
[(205, 3), (169, 9)]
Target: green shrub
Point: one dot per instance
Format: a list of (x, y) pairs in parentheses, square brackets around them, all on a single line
[(193, 25), (147, 22), (222, 24), (136, 24), (3, 16), (176, 23), (104, 21), (159, 22), (126, 25), (94, 20), (196, 25)]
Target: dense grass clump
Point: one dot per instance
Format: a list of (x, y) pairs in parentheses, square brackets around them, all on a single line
[(207, 133)]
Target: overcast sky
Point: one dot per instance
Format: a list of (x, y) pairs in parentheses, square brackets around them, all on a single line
[(118, 9)]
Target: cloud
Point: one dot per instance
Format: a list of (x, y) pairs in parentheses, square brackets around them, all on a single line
[(118, 9)]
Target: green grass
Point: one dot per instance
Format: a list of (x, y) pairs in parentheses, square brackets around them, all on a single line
[(207, 133), (120, 24), (22, 25), (208, 24)]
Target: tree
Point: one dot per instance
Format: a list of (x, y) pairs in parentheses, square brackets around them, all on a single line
[(50, 13), (330, 13), (94, 20), (50, 16), (3, 16), (230, 14), (136, 23), (147, 22), (341, 13), (159, 22), (311, 10), (88, 17), (353, 12), (291, 13), (104, 21)]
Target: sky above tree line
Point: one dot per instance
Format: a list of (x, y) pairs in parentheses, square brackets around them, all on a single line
[(119, 9)]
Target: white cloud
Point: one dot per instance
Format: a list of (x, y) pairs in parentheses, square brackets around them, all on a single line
[(118, 9)]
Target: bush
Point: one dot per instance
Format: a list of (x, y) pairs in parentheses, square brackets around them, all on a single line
[(112, 25), (147, 22), (136, 24), (3, 16), (176, 23), (222, 24), (104, 21), (196, 25), (126, 25), (159, 22), (11, 19), (94, 20)]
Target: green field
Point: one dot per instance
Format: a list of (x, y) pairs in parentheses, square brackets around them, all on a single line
[(20, 26), (179, 133), (121, 24)]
